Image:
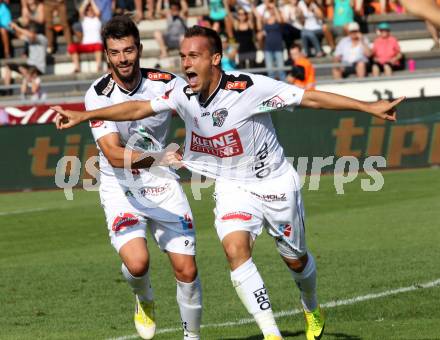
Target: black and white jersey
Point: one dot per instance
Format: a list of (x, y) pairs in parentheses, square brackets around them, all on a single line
[(148, 134), (231, 134)]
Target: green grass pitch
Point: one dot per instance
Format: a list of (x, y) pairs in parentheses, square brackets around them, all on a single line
[(60, 278)]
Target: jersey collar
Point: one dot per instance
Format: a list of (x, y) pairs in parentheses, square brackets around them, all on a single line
[(130, 93), (221, 84)]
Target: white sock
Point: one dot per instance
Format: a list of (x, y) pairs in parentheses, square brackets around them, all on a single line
[(140, 285), (189, 299), (306, 282), (252, 293)]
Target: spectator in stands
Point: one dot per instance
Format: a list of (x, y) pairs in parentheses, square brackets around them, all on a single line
[(32, 11), (176, 15), (36, 62), (5, 21), (303, 72), (244, 32), (314, 28), (433, 31), (91, 41), (106, 10), (229, 54), (293, 18), (50, 7), (134, 7), (353, 52), (386, 53), (30, 84), (271, 25), (218, 13), (343, 14)]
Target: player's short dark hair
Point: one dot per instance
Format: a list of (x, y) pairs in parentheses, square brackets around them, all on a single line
[(119, 27), (215, 43)]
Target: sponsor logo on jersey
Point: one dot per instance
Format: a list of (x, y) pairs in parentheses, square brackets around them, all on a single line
[(262, 298), (226, 144), (154, 191), (219, 117), (236, 85), (205, 114), (270, 197), (274, 103), (159, 76), (237, 215), (96, 123), (186, 222), (123, 221), (285, 229), (109, 88)]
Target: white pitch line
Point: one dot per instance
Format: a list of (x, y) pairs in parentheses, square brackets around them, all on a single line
[(24, 211), (330, 304)]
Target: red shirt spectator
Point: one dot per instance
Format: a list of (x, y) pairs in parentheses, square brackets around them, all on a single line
[(386, 51)]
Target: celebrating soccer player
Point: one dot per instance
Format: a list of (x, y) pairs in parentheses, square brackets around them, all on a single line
[(230, 137), (132, 200)]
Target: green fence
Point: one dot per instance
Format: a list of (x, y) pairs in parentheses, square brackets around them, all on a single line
[(30, 153)]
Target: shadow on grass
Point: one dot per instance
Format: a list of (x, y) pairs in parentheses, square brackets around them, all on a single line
[(299, 334)]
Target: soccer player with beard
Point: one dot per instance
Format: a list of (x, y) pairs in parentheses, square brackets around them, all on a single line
[(230, 137), (133, 196)]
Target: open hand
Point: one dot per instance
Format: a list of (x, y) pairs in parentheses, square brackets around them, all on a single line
[(66, 119), (385, 109)]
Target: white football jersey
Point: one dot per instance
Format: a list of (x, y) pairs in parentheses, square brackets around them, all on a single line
[(231, 134), (148, 134)]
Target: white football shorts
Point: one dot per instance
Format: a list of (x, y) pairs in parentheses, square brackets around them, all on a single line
[(275, 204), (162, 208)]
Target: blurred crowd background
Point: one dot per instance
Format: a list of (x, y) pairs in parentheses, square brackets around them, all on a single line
[(297, 41)]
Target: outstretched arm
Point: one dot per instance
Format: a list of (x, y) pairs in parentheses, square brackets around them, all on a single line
[(383, 109), (130, 110)]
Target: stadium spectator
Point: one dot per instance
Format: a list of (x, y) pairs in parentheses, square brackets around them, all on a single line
[(229, 54), (32, 11), (303, 72), (176, 16), (343, 14), (51, 7), (433, 31), (91, 36), (314, 29), (244, 32), (293, 19), (271, 24), (273, 43), (106, 10), (353, 52), (134, 7), (30, 84), (218, 13), (386, 53), (36, 61), (5, 21)]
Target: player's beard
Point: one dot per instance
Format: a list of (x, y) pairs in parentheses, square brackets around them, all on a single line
[(130, 77)]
